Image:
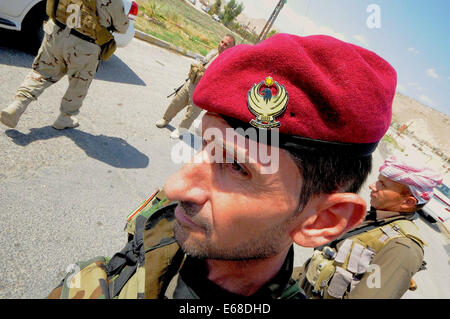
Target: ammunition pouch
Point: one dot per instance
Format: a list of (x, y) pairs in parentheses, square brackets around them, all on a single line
[(107, 49), (196, 72), (333, 273)]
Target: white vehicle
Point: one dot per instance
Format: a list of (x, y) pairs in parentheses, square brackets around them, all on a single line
[(24, 15), (122, 39), (438, 208), (28, 16), (216, 17)]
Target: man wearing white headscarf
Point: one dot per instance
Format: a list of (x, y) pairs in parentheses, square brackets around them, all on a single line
[(410, 186), (379, 258)]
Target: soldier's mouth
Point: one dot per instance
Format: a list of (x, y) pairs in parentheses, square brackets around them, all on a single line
[(184, 219)]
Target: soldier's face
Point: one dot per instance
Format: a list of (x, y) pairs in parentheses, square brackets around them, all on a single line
[(225, 43), (387, 194), (231, 210)]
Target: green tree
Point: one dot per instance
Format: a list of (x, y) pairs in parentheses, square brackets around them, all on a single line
[(271, 33), (215, 8), (231, 11)]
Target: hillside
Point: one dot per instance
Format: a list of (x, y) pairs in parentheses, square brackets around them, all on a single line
[(423, 122), (257, 24)]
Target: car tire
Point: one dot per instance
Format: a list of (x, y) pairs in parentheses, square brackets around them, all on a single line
[(33, 27)]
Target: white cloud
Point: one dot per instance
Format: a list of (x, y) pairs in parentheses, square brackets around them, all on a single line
[(290, 21), (413, 50), (426, 99), (432, 73), (416, 86), (258, 9), (401, 87), (362, 40)]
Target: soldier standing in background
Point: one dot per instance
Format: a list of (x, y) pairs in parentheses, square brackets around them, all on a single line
[(77, 35), (387, 242), (183, 97)]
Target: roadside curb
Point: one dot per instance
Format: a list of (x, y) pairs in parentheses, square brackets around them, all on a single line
[(166, 45)]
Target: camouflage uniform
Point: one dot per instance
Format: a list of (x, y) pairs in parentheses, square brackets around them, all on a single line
[(149, 265), (64, 53), (398, 260), (184, 97)]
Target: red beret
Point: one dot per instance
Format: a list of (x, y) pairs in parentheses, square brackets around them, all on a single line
[(336, 91)]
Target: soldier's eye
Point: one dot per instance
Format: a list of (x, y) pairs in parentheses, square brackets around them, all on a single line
[(236, 168)]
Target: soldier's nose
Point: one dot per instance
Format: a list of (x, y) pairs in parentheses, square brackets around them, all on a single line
[(189, 184)]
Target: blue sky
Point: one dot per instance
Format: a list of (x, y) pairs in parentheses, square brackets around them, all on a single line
[(413, 35)]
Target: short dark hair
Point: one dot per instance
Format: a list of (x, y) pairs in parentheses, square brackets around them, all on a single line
[(323, 171), (329, 173)]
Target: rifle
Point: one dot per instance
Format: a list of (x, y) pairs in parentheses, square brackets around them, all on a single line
[(175, 91)]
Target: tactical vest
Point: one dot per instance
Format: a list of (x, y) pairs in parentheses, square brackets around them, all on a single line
[(85, 22), (198, 69), (333, 273), (145, 267)]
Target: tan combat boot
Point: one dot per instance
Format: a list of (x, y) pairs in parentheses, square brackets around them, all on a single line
[(162, 123), (11, 115), (65, 121)]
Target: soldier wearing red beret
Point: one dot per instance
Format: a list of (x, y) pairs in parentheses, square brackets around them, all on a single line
[(306, 112)]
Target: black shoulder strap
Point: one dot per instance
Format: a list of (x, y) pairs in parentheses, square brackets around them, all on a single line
[(125, 263)]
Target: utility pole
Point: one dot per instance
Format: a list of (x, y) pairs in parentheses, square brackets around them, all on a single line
[(271, 20)]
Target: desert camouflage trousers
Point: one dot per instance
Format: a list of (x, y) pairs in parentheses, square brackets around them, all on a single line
[(182, 99), (61, 53)]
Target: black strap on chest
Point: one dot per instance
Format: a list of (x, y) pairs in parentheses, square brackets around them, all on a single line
[(125, 263), (74, 32)]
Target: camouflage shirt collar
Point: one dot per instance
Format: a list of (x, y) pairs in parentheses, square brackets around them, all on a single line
[(193, 282)]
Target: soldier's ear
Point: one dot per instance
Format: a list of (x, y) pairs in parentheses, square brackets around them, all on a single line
[(409, 203), (327, 217)]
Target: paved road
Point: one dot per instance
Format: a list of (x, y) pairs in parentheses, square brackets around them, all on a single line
[(64, 196)]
